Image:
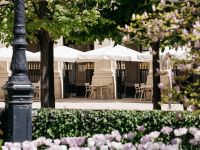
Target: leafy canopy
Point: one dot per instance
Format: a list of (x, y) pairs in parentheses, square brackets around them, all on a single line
[(77, 20)]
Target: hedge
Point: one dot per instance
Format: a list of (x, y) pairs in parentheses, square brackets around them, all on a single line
[(57, 123)]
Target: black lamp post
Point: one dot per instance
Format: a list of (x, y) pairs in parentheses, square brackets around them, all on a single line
[(18, 88)]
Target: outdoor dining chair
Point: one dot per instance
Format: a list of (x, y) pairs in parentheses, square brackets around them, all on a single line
[(146, 90), (36, 90), (138, 91), (88, 90)]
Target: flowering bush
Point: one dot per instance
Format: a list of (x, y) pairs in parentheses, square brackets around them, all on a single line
[(165, 139), (56, 123), (186, 87), (173, 23)]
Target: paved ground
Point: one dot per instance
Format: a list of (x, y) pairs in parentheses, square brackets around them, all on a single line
[(119, 104)]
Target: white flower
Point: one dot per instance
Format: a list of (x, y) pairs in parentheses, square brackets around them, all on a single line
[(133, 16), (197, 136), (193, 130), (153, 7), (27, 145), (63, 147), (4, 148), (13, 146), (54, 147), (162, 2), (104, 147), (40, 141), (161, 145), (48, 142), (148, 146), (156, 146), (115, 145), (57, 141), (171, 147), (145, 14), (91, 142), (180, 131), (154, 134)]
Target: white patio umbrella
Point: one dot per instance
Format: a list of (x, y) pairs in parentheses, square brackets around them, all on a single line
[(7, 52), (64, 53), (180, 53), (117, 52), (145, 56)]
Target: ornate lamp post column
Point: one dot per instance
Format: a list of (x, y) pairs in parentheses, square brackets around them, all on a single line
[(19, 90)]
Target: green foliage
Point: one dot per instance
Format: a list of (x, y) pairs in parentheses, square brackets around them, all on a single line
[(82, 21), (54, 123)]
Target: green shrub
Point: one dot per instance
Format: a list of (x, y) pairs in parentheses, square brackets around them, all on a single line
[(57, 123)]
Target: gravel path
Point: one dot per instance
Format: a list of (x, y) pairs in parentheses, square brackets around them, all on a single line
[(118, 104)]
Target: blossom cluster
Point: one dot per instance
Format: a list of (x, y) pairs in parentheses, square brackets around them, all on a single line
[(165, 139)]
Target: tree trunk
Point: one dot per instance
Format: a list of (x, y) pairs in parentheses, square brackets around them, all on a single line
[(51, 75), (47, 62), (47, 70), (156, 76)]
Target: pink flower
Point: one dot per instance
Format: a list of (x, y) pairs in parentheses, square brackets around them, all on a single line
[(141, 128), (129, 136), (27, 145), (177, 88), (154, 134), (193, 142), (161, 86), (145, 139), (197, 136), (57, 141), (48, 142), (157, 71), (166, 130), (4, 148), (40, 141), (128, 146), (163, 2), (176, 141), (115, 134)]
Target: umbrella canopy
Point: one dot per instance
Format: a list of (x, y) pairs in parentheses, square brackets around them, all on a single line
[(64, 53), (146, 56), (7, 52), (180, 53), (117, 52)]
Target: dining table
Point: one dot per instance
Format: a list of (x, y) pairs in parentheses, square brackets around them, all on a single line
[(97, 91), (144, 90)]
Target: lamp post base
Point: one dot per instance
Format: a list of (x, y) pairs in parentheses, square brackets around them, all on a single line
[(19, 112)]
